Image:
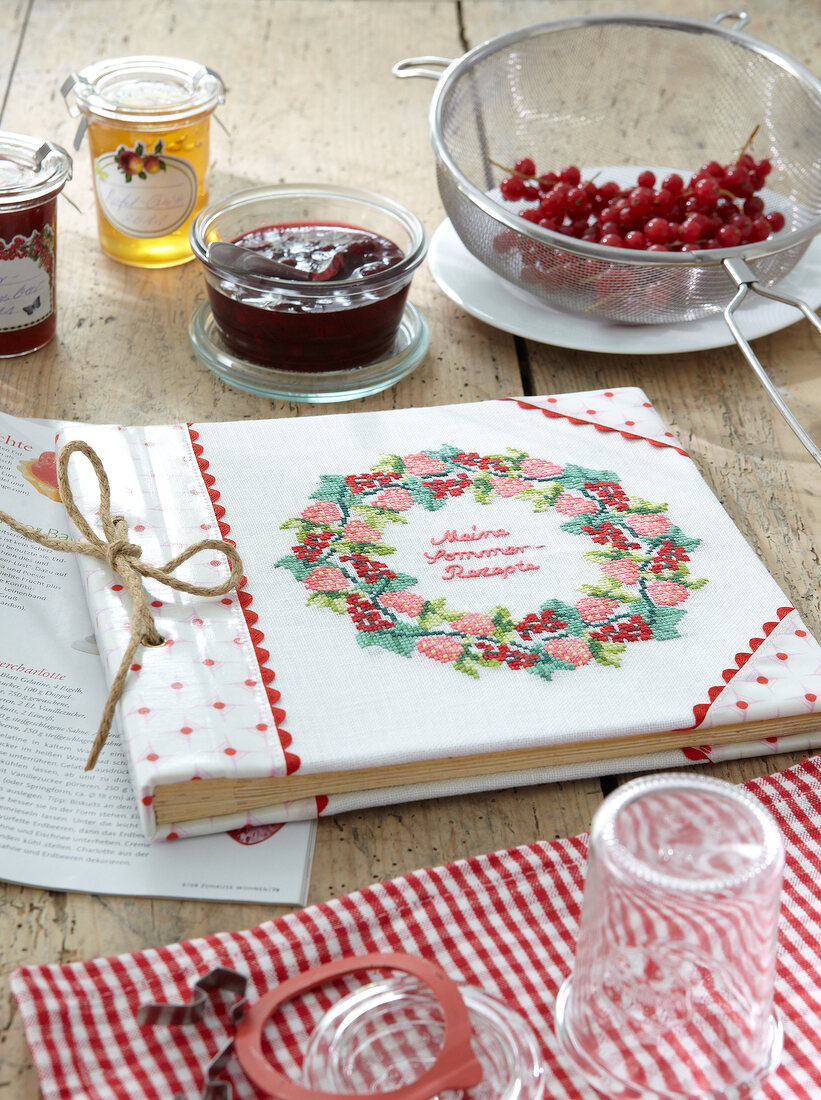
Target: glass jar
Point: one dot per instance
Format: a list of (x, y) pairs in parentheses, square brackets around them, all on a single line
[(32, 174), (148, 120), (321, 321)]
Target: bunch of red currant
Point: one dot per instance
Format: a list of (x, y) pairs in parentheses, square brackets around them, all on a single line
[(716, 208)]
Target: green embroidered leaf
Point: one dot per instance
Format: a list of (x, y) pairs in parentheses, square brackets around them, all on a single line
[(466, 665), (505, 625), (543, 498), (607, 653), (547, 664), (609, 589), (664, 622), (699, 582), (299, 568), (334, 601), (575, 477), (331, 487), (397, 640), (638, 504), (422, 493), (390, 584), (294, 522), (391, 463), (567, 614), (376, 517), (576, 523), (482, 488), (435, 612)]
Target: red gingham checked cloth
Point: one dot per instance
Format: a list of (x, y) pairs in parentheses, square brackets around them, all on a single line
[(506, 922)]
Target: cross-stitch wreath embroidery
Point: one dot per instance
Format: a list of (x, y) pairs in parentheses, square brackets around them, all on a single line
[(341, 539)]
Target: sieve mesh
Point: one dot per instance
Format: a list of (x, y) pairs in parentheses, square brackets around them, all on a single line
[(621, 94)]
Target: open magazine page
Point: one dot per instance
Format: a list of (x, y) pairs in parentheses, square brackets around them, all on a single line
[(60, 827)]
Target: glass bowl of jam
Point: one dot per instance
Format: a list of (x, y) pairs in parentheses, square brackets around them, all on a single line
[(309, 282)]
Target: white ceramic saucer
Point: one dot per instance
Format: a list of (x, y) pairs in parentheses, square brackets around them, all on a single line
[(489, 297)]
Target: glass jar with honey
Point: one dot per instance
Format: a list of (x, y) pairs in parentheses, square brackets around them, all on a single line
[(148, 122), (32, 174)]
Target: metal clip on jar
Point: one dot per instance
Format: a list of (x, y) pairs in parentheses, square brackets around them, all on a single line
[(32, 174), (148, 121)]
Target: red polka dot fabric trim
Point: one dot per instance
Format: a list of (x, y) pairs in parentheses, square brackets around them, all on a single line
[(700, 709), (595, 424), (292, 761)]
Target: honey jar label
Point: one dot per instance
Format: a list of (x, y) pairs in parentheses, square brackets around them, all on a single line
[(26, 276), (145, 194)]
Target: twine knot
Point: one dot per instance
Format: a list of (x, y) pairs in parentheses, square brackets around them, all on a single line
[(125, 559), (121, 548)]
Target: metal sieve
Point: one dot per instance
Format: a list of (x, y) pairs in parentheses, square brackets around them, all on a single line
[(617, 94)]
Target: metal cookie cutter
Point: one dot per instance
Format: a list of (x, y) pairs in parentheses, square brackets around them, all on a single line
[(455, 1066)]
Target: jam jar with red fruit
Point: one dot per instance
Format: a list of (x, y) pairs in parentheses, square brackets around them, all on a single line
[(309, 280), (32, 174)]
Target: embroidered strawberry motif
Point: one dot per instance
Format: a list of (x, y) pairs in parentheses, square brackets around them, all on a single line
[(570, 504), (595, 609), (622, 569), (572, 650), (443, 649), (322, 511), (357, 531), (509, 486), (475, 622), (667, 593), (327, 579), (649, 523), (423, 464), (397, 499), (539, 467), (406, 602)]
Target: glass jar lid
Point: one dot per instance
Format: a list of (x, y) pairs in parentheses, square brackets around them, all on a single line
[(144, 89), (31, 169)]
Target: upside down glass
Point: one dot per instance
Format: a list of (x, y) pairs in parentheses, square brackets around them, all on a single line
[(671, 993)]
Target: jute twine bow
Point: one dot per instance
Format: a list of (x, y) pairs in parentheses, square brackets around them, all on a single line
[(124, 558)]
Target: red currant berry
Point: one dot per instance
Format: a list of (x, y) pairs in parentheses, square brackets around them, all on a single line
[(713, 168), (657, 231), (525, 167), (571, 175), (635, 239), (646, 179), (640, 200), (728, 236), (753, 206), (663, 202), (512, 188), (776, 220), (547, 181), (673, 183), (707, 190), (612, 240), (760, 230), (693, 228)]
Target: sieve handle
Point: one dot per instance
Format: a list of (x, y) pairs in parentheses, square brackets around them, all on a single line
[(417, 66), (745, 280), (742, 18)]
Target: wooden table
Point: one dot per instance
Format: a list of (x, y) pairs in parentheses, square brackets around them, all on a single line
[(311, 98)]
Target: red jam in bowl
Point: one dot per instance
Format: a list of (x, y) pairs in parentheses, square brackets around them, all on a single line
[(339, 311)]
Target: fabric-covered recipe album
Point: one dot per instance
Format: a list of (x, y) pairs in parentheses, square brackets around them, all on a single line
[(435, 600)]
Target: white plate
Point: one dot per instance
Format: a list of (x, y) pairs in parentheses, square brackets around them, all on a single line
[(486, 295)]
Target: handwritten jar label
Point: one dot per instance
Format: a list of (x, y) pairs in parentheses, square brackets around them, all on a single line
[(26, 274), (145, 194)]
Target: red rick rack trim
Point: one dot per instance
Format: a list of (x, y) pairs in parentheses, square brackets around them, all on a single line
[(292, 761), (700, 709), (594, 424)]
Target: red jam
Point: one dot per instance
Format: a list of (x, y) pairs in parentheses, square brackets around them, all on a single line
[(32, 173), (335, 314)]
